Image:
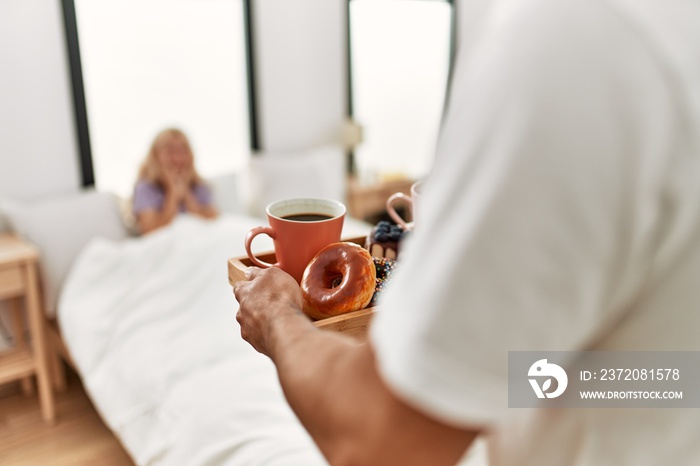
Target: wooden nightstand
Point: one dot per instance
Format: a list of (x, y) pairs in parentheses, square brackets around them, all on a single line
[(365, 202), (19, 282)]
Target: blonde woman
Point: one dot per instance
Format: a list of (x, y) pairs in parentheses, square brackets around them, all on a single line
[(168, 184)]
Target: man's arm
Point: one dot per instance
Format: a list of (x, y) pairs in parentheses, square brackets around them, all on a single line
[(333, 386)]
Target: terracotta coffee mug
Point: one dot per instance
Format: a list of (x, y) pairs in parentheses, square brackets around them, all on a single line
[(410, 200), (299, 229)]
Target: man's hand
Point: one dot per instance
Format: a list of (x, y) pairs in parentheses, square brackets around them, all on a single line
[(266, 295), (333, 385)]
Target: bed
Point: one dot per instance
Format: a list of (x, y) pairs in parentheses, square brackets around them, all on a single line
[(149, 324)]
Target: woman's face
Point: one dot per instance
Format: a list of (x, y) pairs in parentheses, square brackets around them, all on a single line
[(174, 158)]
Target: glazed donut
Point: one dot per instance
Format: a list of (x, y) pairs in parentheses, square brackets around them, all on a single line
[(339, 279)]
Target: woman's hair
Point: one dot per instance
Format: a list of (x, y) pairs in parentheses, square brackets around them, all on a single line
[(150, 168)]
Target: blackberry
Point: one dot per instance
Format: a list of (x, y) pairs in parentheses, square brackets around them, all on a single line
[(381, 236)]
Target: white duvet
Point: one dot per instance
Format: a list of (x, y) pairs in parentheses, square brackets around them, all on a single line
[(151, 325)]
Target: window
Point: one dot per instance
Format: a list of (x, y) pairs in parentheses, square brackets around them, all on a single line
[(152, 64), (400, 63)]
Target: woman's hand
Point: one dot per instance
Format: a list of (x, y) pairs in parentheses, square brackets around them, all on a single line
[(193, 206), (179, 191), (176, 185), (266, 295)]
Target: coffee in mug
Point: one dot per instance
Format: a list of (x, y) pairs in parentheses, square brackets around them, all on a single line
[(299, 229)]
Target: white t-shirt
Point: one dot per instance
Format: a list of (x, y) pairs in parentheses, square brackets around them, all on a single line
[(563, 213)]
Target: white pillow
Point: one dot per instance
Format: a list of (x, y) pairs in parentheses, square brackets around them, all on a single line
[(317, 172), (225, 193), (59, 228)]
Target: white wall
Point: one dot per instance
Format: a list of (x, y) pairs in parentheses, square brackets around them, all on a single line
[(471, 15), (301, 72), (38, 147)]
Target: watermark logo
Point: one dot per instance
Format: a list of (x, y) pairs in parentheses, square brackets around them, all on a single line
[(542, 369), (603, 379)]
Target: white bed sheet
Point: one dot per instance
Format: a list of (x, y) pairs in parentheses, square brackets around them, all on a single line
[(150, 323)]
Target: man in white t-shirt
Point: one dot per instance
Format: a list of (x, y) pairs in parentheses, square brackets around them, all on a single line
[(563, 213)]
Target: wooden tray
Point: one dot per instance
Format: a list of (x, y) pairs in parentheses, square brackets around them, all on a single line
[(354, 324)]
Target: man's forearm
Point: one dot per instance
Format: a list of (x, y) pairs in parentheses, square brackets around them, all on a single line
[(332, 385), (309, 363), (312, 368)]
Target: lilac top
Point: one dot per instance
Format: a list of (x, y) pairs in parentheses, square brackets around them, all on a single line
[(150, 196)]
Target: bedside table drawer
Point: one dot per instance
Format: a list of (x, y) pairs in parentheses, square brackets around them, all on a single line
[(11, 282)]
